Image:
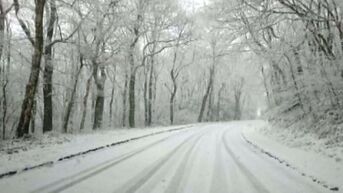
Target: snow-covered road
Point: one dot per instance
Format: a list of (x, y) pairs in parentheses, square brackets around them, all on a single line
[(209, 158)]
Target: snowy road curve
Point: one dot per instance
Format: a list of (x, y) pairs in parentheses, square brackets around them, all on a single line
[(212, 158)]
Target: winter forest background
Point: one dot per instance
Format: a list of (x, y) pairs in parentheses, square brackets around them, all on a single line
[(73, 65)]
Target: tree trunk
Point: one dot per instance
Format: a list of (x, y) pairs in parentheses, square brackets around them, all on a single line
[(132, 83), (111, 106), (150, 92), (124, 100), (219, 102), (133, 69), (48, 71), (71, 102), (100, 80), (209, 115), (173, 92), (237, 97), (112, 99), (266, 86), (47, 92), (85, 100), (5, 80), (295, 83), (172, 103), (2, 28), (237, 115), (4, 69), (30, 92), (4, 107), (204, 99), (34, 113), (145, 93), (99, 108), (171, 106)]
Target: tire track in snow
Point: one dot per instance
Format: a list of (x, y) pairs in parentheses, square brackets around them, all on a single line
[(182, 172), (219, 182), (249, 175), (272, 175), (65, 183), (141, 179)]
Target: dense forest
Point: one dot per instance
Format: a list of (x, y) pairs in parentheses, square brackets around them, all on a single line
[(73, 65), (302, 43)]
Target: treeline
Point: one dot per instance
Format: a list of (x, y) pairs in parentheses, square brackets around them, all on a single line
[(72, 65)]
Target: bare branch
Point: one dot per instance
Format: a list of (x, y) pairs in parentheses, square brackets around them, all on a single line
[(64, 40), (22, 23)]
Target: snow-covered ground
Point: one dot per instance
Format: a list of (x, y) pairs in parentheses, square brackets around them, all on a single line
[(208, 158), (17, 155), (307, 155)]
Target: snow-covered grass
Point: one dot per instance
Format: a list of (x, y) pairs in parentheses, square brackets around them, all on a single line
[(329, 146), (308, 154), (18, 154)]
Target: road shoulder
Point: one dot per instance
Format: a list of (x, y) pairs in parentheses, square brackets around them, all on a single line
[(319, 168)]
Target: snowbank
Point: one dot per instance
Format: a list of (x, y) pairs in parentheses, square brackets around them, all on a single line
[(306, 154)]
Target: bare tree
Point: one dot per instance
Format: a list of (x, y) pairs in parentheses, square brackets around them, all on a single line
[(133, 68), (4, 69), (48, 69), (238, 92), (31, 87)]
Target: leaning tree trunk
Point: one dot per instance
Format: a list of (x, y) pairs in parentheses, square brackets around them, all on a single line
[(71, 102), (30, 92), (295, 83), (204, 99), (48, 71)]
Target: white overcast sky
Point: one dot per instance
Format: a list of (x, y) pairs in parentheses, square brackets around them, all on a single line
[(192, 5)]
